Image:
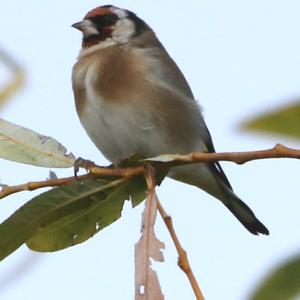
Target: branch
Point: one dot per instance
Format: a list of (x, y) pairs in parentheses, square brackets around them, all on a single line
[(34, 185), (97, 171), (278, 151), (183, 262), (166, 161)]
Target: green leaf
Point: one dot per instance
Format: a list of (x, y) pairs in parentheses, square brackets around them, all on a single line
[(74, 228), (82, 224), (283, 121), (68, 215), (282, 284), (26, 146), (137, 190)]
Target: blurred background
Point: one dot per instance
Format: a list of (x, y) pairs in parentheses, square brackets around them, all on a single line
[(241, 59)]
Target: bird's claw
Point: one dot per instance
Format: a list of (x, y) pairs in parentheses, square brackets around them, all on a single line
[(83, 163)]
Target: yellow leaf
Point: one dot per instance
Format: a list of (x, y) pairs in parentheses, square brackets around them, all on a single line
[(283, 121)]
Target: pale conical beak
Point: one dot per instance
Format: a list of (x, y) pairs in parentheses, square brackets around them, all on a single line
[(87, 27), (79, 25)]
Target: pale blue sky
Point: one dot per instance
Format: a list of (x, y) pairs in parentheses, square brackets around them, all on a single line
[(240, 58)]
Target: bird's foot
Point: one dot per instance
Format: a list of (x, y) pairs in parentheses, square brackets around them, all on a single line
[(83, 163)]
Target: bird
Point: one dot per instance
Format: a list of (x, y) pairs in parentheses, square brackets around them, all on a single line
[(131, 97)]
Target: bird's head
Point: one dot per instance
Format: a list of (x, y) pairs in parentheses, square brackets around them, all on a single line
[(109, 24)]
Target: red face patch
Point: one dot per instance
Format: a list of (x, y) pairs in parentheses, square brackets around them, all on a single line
[(98, 11)]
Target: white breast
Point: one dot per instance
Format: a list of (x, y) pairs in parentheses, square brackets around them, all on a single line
[(118, 129)]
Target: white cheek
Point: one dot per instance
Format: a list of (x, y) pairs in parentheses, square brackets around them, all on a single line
[(124, 29), (121, 13), (89, 31), (88, 28)]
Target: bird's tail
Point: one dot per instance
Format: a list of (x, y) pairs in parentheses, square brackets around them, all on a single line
[(212, 179), (245, 215)]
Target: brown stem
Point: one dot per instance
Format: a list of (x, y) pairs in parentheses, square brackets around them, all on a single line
[(117, 172), (279, 151), (34, 185), (183, 262)]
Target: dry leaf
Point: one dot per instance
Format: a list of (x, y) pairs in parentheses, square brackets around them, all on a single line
[(146, 281)]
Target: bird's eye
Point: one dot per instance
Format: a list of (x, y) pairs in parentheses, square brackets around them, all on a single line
[(104, 20), (110, 19)]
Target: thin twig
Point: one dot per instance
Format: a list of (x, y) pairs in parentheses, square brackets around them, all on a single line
[(98, 171), (279, 151), (34, 185), (117, 172), (183, 262)]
